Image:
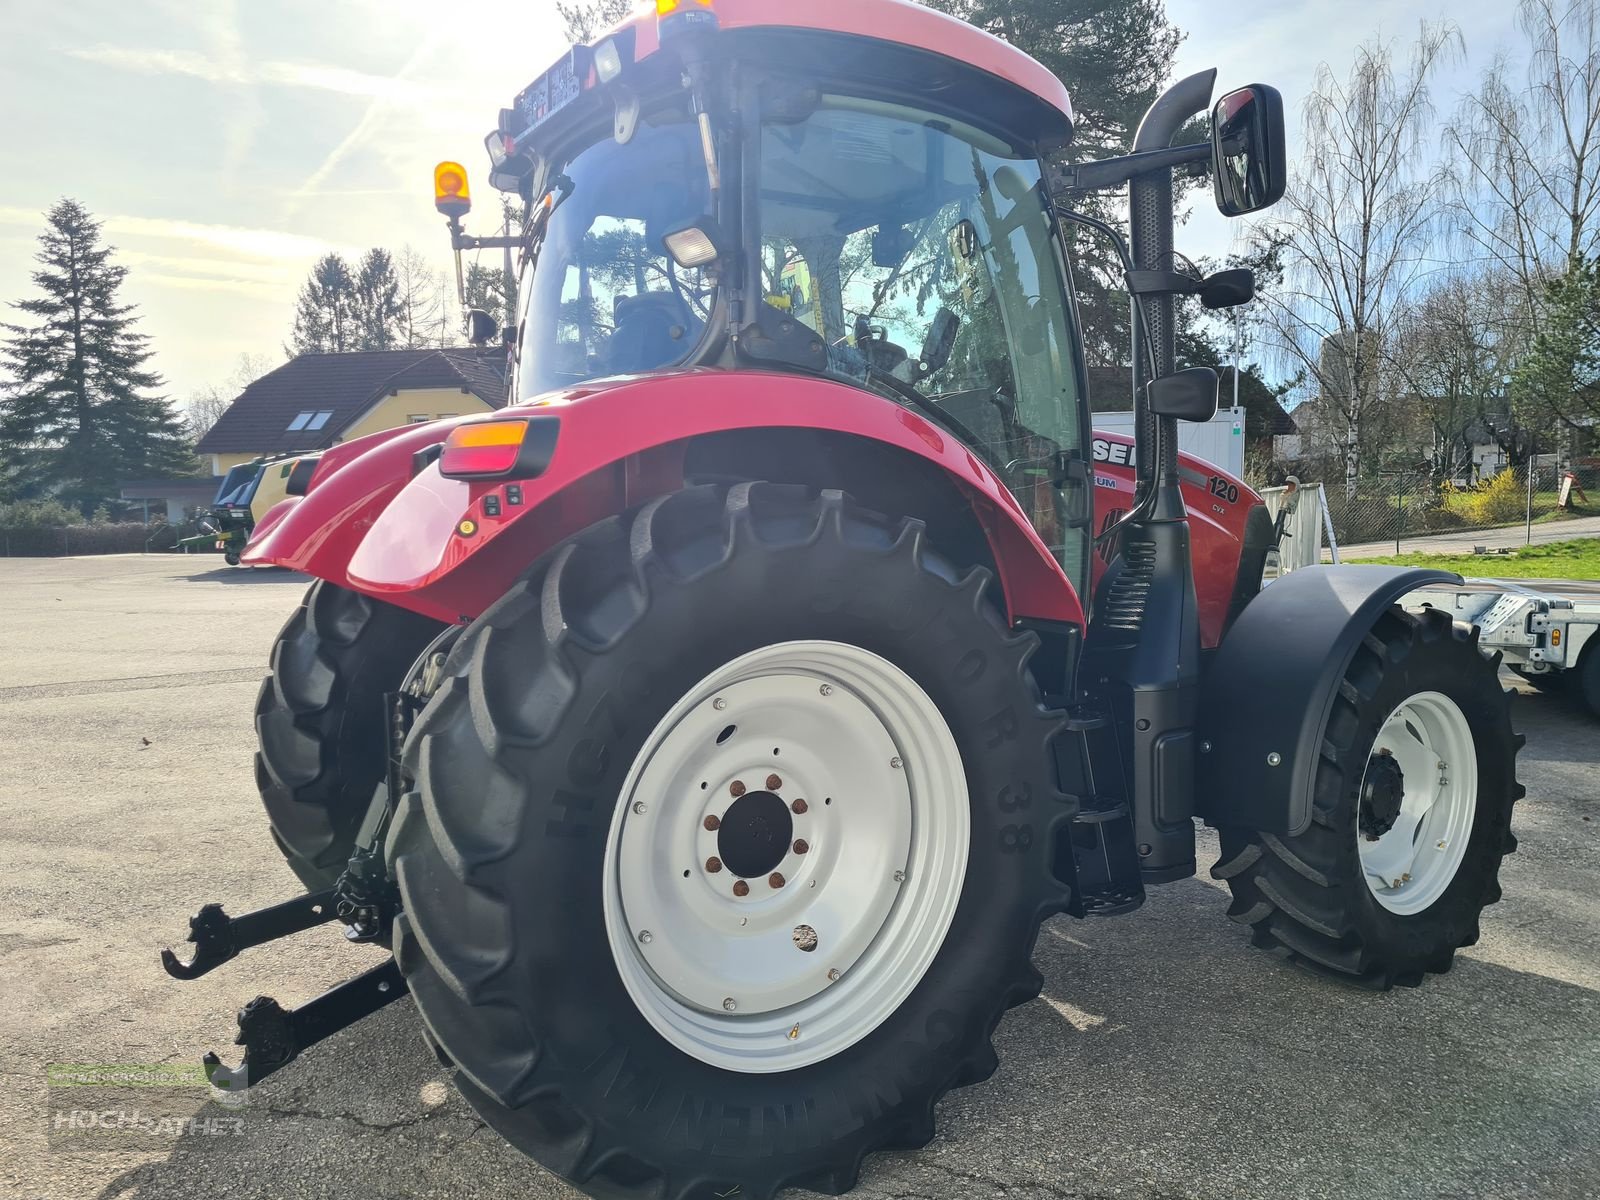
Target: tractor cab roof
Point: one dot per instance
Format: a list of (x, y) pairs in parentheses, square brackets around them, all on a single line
[(903, 50), (899, 21)]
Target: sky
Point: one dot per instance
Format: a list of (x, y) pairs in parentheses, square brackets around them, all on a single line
[(226, 145)]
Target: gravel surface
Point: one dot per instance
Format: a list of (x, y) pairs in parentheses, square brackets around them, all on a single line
[(1166, 1058)]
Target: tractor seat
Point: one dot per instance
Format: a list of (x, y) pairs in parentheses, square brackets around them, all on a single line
[(653, 330)]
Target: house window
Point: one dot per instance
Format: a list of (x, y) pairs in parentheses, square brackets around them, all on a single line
[(318, 420), (300, 421), (418, 419), (447, 416)]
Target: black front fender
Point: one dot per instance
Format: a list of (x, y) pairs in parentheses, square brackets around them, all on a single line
[(1269, 689)]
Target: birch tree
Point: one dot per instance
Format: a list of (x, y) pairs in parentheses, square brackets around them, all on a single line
[(1356, 226)]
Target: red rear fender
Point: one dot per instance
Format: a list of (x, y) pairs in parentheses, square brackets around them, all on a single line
[(372, 526)]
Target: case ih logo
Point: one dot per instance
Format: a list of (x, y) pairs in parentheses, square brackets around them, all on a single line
[(1119, 454)]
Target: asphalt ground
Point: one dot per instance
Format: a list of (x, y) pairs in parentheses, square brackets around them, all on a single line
[(1166, 1059)]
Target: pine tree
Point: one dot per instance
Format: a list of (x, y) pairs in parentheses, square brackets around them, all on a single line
[(1557, 385), (76, 418), (324, 319), (377, 311)]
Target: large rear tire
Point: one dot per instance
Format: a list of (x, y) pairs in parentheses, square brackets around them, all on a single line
[(320, 721), (555, 866), (1411, 814)]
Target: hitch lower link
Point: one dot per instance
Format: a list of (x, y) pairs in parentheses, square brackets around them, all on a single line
[(273, 1036), (364, 899)]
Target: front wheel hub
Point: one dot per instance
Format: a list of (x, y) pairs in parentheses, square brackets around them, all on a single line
[(1382, 794), (793, 838), (755, 835)]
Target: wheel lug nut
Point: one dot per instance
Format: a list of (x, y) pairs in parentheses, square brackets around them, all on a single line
[(775, 880), (736, 788), (713, 864), (773, 783), (798, 807), (712, 823), (896, 763), (646, 936), (826, 689), (719, 704), (801, 845), (730, 1004), (741, 889), (639, 807)]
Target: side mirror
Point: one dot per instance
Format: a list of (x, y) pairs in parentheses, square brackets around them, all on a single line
[(1249, 162), (1228, 289), (1189, 395), (481, 327), (891, 244), (941, 340)]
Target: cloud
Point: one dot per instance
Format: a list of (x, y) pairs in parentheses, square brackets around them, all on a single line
[(268, 244), (377, 109), (231, 70)]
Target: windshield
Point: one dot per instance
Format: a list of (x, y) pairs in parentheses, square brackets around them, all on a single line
[(606, 300), (924, 253)]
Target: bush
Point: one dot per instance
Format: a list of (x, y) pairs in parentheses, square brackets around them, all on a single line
[(1499, 502), (38, 514)]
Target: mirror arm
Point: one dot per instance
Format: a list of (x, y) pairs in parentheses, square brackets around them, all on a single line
[(1150, 200), (1163, 283), (1070, 179)]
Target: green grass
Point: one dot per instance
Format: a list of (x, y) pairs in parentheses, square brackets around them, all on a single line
[(1577, 559)]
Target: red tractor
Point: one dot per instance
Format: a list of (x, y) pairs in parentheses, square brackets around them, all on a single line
[(709, 731)]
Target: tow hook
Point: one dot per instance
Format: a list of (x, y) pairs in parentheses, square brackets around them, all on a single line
[(365, 900)]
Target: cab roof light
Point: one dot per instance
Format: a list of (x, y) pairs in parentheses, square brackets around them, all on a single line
[(451, 195), (516, 449), (674, 16)]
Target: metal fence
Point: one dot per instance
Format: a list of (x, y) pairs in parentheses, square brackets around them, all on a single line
[(60, 541), (1390, 509)]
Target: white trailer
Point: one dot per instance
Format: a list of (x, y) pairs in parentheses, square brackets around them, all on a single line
[(1219, 441), (1548, 629)]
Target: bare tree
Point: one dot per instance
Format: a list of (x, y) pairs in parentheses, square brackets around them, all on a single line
[(1356, 227), (1527, 153), (422, 299), (584, 19), (1454, 350), (204, 409), (250, 368)]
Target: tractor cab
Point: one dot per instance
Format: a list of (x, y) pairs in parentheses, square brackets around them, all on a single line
[(706, 191)]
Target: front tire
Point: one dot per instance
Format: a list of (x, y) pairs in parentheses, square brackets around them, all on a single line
[(566, 700), (1411, 814), (320, 721)]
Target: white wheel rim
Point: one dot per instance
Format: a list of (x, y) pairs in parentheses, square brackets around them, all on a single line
[(1409, 865), (885, 825)]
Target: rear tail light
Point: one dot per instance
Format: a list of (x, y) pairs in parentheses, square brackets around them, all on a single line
[(519, 449)]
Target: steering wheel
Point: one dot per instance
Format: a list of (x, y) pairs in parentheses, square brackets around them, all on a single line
[(696, 300)]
